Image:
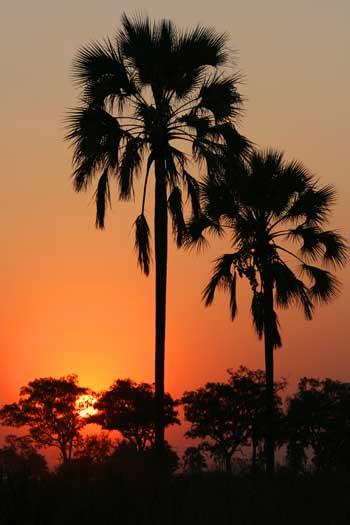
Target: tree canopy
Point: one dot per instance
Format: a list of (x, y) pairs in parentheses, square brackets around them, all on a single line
[(48, 407), (129, 407), (318, 419), (231, 415)]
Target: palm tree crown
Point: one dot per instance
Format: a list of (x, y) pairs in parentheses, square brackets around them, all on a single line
[(269, 206), (146, 94), (142, 94)]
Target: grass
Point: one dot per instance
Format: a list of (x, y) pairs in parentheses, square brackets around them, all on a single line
[(212, 498)]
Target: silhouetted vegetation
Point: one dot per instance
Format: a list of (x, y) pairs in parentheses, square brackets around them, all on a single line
[(95, 448), (318, 421), (145, 94), (20, 460), (194, 461), (48, 407), (267, 205), (231, 415), (130, 408), (107, 480)]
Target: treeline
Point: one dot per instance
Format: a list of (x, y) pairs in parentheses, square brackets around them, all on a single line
[(227, 420)]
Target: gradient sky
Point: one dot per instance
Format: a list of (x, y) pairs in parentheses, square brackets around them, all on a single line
[(72, 297)]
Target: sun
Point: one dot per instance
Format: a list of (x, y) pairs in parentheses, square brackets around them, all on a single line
[(85, 405)]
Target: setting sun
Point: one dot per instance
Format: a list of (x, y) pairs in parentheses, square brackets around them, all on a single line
[(85, 405)]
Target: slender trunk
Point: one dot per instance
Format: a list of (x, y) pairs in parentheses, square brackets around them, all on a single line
[(64, 455), (161, 254), (268, 337)]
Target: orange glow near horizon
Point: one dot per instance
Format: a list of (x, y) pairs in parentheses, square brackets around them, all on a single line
[(85, 405), (72, 298)]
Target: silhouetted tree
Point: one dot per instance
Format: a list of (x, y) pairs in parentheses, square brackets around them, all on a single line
[(95, 448), (194, 460), (251, 384), (48, 407), (143, 465), (269, 205), (144, 94), (20, 460), (318, 417), (228, 415), (217, 416), (130, 408)]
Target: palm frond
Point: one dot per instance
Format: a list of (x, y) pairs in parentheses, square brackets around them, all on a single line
[(258, 315), (313, 205), (151, 49), (201, 124), (325, 285), (130, 165), (195, 228), (287, 180), (237, 146), (175, 207), (202, 46), (219, 198), (327, 245), (220, 96), (310, 235), (257, 311), (137, 41), (99, 69), (290, 289), (233, 298), (211, 154), (192, 192), (175, 161), (142, 244), (96, 137), (221, 277), (336, 249), (275, 333), (102, 198)]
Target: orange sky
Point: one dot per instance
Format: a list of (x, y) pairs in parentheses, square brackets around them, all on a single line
[(73, 299)]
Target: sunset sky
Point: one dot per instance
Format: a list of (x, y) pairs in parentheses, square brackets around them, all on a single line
[(72, 297)]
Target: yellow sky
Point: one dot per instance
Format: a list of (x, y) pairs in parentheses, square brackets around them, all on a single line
[(72, 297)]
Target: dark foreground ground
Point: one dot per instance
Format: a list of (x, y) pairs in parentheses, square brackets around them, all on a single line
[(206, 499)]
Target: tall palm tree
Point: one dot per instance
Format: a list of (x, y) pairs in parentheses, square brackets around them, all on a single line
[(144, 95), (276, 212)]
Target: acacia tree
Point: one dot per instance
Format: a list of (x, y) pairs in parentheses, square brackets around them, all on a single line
[(216, 416), (48, 406), (129, 408), (228, 416), (251, 384), (318, 417), (147, 94), (268, 207)]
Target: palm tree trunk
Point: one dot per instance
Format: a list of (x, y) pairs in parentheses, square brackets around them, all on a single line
[(161, 255), (269, 370)]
